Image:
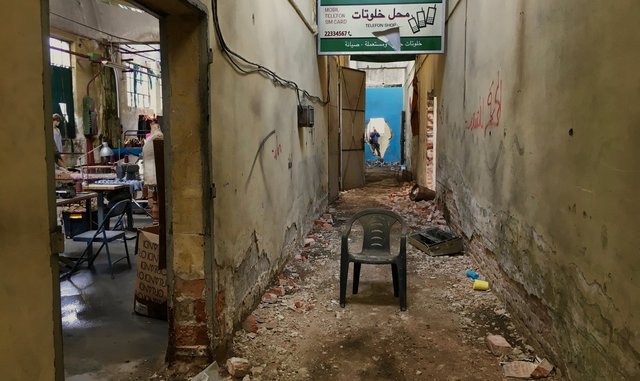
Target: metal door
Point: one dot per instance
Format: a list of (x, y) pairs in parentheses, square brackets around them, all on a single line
[(352, 106)]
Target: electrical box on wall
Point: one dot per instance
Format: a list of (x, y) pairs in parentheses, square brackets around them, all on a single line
[(305, 116)]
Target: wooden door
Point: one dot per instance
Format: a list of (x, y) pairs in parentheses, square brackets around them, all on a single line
[(352, 126)]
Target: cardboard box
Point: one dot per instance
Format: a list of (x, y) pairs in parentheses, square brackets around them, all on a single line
[(151, 283)]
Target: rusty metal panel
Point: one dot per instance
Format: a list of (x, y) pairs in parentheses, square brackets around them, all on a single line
[(334, 129), (352, 126)]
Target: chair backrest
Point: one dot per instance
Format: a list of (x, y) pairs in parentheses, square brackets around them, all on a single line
[(118, 210), (376, 224)]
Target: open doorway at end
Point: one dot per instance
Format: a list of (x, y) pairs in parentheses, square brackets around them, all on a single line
[(384, 120), (383, 117)]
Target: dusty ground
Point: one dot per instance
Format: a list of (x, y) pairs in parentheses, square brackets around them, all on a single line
[(305, 335), (299, 331)]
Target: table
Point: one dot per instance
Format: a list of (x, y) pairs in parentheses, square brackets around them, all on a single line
[(100, 189), (83, 196), (79, 197)]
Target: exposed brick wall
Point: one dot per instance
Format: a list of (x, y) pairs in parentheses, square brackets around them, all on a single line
[(429, 143), (190, 336), (564, 326), (240, 288), (529, 312)]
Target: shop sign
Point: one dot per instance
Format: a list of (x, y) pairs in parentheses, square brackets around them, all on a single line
[(351, 27)]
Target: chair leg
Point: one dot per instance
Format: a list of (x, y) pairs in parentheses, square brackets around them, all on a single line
[(93, 256), (402, 284), (87, 252), (126, 250), (109, 259), (394, 274), (129, 218), (344, 272), (356, 276)]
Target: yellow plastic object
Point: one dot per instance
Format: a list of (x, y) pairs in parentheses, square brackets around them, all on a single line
[(480, 285)]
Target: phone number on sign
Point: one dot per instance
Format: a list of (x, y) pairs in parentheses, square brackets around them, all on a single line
[(337, 33)]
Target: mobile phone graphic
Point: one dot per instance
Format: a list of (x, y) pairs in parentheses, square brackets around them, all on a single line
[(414, 25), (422, 21), (431, 15)]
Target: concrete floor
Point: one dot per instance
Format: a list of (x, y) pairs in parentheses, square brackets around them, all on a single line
[(103, 338)]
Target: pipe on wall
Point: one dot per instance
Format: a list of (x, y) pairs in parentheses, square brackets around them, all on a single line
[(312, 28)]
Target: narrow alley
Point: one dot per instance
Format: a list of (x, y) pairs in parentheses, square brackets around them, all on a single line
[(299, 331), (179, 175)]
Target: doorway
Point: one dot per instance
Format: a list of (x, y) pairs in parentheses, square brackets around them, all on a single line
[(384, 114), (126, 58), (107, 88)]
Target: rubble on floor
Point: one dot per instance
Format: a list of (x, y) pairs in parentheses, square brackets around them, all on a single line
[(238, 367), (534, 369), (299, 331), (210, 373), (498, 345)]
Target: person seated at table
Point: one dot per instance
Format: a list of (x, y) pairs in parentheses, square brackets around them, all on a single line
[(60, 165)]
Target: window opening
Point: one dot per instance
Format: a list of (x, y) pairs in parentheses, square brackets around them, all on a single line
[(62, 85), (139, 86), (58, 51), (143, 76)]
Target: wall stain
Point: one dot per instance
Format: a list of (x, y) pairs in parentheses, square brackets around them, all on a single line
[(519, 146), (604, 237), (494, 167)]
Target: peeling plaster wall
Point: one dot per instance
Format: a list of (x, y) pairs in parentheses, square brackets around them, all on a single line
[(538, 169), (270, 175), (29, 293)]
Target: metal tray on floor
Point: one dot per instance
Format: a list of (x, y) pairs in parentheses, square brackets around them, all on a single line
[(436, 242)]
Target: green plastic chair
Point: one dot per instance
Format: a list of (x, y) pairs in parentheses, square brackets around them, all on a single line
[(376, 250)]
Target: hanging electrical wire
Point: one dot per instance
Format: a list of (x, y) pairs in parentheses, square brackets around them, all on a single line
[(106, 33), (137, 53), (245, 66)]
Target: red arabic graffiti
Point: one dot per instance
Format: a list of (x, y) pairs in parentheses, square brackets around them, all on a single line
[(479, 119)]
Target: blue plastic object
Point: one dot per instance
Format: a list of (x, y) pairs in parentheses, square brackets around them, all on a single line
[(472, 274)]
